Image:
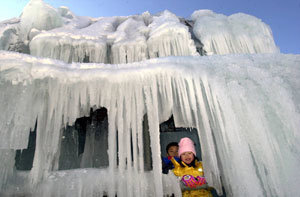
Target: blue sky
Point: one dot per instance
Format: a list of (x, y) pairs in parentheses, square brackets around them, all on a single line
[(283, 16)]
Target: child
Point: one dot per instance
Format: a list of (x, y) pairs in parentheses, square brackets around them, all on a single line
[(172, 151), (190, 170)]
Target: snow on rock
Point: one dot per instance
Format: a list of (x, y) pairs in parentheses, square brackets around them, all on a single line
[(245, 108), (238, 33), (39, 15)]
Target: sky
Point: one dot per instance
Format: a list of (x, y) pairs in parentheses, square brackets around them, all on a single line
[(283, 16)]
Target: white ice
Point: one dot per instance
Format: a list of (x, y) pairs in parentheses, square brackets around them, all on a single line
[(246, 109), (60, 34), (237, 33), (39, 15), (113, 39)]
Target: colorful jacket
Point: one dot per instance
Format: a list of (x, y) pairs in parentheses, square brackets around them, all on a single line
[(191, 177)]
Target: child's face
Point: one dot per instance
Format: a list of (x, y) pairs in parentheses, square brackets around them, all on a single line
[(173, 151), (187, 157)]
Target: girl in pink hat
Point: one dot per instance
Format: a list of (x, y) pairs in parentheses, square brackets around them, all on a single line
[(190, 171)]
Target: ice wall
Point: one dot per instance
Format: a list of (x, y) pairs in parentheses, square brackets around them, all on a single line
[(237, 33), (245, 108)]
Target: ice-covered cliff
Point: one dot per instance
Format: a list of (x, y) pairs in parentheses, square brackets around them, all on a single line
[(81, 112)]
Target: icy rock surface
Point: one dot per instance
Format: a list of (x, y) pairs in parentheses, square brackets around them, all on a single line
[(246, 109), (238, 33), (9, 36)]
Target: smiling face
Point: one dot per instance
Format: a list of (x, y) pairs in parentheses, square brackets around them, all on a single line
[(187, 157), (173, 151)]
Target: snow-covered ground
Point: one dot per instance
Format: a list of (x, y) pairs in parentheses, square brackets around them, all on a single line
[(245, 104)]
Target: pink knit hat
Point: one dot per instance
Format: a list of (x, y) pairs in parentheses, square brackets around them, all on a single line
[(186, 145)]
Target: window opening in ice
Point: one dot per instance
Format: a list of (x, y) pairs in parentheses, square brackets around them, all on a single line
[(24, 158), (84, 145), (86, 59), (147, 149), (170, 133)]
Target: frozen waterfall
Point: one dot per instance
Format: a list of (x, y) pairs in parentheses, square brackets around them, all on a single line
[(245, 107)]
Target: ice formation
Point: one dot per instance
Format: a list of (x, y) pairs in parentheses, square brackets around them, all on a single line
[(127, 39), (245, 107), (39, 15), (117, 40), (238, 33)]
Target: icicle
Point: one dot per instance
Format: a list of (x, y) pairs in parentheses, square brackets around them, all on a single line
[(245, 108), (112, 149), (152, 111)]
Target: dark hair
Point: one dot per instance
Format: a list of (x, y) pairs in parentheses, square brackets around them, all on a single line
[(171, 144)]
